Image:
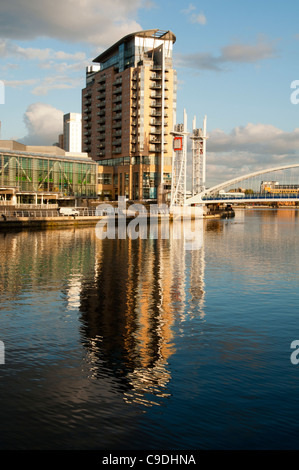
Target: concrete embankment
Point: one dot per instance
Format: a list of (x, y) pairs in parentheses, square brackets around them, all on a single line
[(47, 222), (12, 222)]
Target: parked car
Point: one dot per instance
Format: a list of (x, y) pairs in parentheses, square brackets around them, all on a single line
[(68, 211)]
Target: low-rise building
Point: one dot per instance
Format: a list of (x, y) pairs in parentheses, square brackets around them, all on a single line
[(44, 175)]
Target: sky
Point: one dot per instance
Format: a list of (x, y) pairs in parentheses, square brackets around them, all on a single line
[(236, 63)]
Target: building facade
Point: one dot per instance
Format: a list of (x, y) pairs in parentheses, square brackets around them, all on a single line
[(72, 132), (42, 175), (274, 187), (128, 112)]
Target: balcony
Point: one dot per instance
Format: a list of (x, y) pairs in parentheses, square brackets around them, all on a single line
[(156, 149), (117, 81), (155, 122), (116, 133), (117, 90), (156, 95), (155, 86), (156, 76), (155, 113), (155, 104), (118, 107), (117, 99), (155, 131)]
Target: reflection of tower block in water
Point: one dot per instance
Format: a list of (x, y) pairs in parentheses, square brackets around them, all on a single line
[(179, 164), (198, 138)]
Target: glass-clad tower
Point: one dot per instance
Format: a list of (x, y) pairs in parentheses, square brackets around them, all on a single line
[(128, 112)]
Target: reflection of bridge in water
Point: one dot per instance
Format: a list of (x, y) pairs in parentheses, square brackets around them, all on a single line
[(279, 184)]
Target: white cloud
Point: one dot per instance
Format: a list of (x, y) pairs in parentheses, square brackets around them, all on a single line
[(188, 10), (249, 148), (56, 83), (248, 52), (99, 23), (255, 138), (47, 84), (233, 53), (198, 18), (44, 123), (10, 49), (69, 66), (20, 83), (11, 66), (194, 17)]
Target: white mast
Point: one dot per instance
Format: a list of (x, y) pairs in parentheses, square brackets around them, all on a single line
[(179, 164), (199, 138)]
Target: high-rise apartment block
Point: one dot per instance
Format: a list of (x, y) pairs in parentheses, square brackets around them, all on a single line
[(128, 112), (72, 132)]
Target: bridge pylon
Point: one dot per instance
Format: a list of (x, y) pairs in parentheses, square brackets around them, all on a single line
[(199, 137), (179, 164)]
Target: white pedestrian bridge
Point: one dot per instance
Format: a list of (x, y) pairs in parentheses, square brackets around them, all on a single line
[(271, 185)]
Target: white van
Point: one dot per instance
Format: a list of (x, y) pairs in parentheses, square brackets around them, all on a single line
[(68, 211)]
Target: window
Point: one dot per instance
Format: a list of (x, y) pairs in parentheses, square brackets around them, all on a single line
[(105, 178)]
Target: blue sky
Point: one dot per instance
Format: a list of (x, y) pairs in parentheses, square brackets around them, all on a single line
[(235, 63)]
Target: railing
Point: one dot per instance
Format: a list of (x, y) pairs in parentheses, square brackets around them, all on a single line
[(253, 196), (6, 203), (36, 206), (83, 212)]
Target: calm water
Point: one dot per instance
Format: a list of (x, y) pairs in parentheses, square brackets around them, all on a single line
[(143, 344)]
